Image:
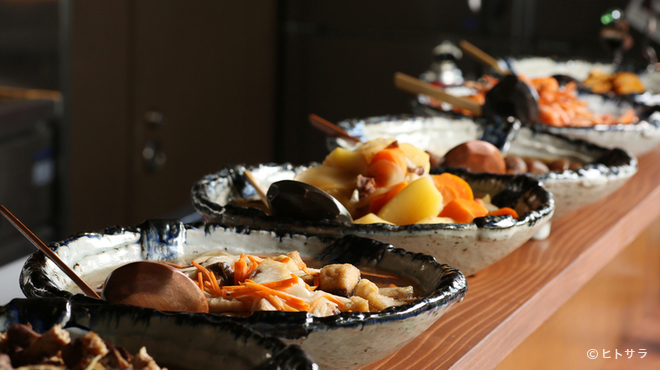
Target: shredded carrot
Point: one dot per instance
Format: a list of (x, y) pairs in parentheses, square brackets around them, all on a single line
[(275, 301), (203, 269), (285, 259), (301, 265), (172, 264), (240, 270), (309, 272), (214, 281), (255, 259), (289, 299), (250, 270), (200, 281), (334, 299), (311, 288)]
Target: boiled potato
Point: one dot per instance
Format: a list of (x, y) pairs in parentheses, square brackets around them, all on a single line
[(370, 218), (334, 181), (418, 157), (346, 160), (417, 201), (437, 220)]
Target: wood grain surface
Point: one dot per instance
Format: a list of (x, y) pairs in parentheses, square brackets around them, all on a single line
[(509, 300)]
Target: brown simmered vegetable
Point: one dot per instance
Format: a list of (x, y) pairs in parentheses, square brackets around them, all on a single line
[(515, 165), (476, 156), (22, 347), (559, 165), (536, 167)]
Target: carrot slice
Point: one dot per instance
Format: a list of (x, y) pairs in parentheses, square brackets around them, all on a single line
[(463, 211), (452, 187), (377, 202), (504, 211), (240, 270)]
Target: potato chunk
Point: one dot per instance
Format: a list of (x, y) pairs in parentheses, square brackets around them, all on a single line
[(339, 279), (417, 201)]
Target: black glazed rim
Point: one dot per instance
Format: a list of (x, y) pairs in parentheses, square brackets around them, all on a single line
[(609, 162), (78, 311), (515, 187), (444, 284)]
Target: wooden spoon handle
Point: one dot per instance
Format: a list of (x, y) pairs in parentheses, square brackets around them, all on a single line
[(255, 184), (331, 129), (417, 86), (49, 253), (481, 56)]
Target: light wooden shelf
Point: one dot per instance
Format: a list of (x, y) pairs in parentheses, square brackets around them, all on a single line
[(508, 301)]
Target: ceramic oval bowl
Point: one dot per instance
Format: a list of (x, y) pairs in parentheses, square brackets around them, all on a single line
[(176, 341), (637, 138), (344, 341), (605, 171), (469, 247)]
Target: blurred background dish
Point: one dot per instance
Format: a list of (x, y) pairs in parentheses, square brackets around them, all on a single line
[(347, 340)]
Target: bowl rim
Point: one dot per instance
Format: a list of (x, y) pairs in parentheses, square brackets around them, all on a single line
[(450, 285), (214, 211)]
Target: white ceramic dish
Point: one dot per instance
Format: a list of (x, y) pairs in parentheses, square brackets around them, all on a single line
[(469, 247), (606, 169), (344, 341)]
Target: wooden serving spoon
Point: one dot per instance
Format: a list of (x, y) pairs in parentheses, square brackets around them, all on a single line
[(143, 283)]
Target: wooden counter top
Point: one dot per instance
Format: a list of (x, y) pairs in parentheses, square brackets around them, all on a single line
[(509, 300)]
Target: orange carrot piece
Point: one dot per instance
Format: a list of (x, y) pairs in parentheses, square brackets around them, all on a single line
[(285, 259), (275, 301), (504, 211), (214, 281), (255, 259), (394, 154), (334, 299), (200, 281), (289, 299), (207, 273), (250, 270), (240, 269), (377, 202), (463, 211), (452, 187), (172, 264), (309, 272)]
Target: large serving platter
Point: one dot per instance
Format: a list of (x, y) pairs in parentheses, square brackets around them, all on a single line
[(344, 341)]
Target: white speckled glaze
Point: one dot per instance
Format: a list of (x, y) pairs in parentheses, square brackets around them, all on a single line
[(468, 247), (344, 341), (572, 189)]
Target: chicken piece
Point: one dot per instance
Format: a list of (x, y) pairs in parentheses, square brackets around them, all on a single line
[(339, 279), (399, 293), (142, 361), (369, 291), (220, 305), (47, 345), (357, 304), (270, 270), (93, 345)]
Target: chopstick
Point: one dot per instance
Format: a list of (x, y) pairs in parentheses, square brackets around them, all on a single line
[(49, 253)]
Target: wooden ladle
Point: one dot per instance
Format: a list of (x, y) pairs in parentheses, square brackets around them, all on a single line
[(143, 283)]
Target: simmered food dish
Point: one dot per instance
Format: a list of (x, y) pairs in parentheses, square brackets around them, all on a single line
[(23, 348), (240, 285), (384, 181), (559, 106), (601, 82)]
